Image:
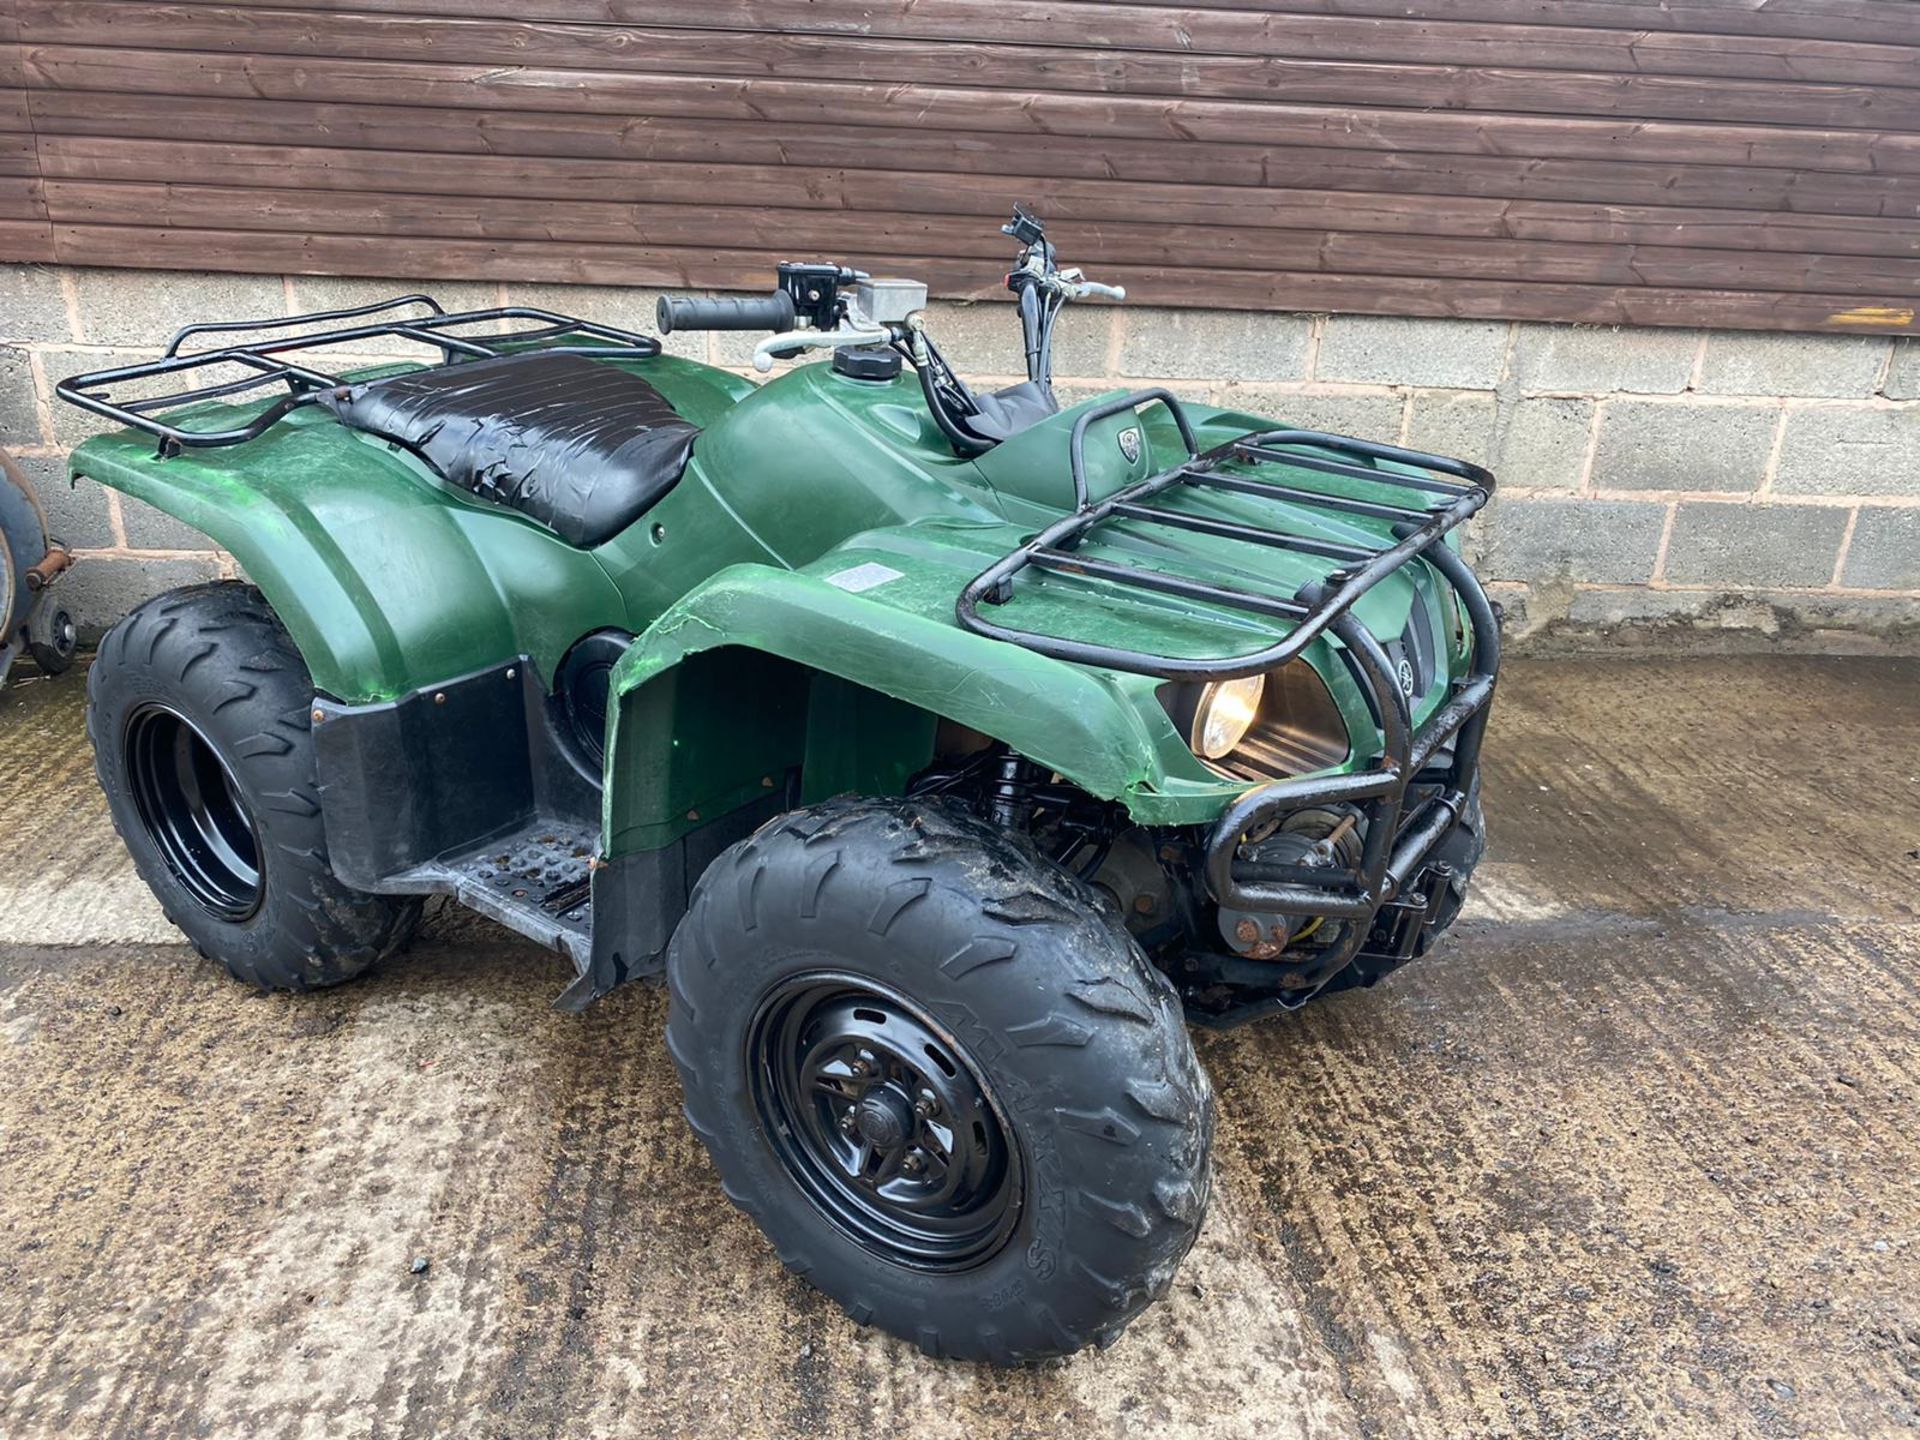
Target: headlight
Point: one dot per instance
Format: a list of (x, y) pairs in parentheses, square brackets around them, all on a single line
[(1226, 711), (1265, 727)]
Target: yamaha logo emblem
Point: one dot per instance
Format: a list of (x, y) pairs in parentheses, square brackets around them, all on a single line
[(1130, 443), (1406, 678)]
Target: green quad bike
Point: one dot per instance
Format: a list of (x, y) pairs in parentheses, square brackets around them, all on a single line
[(947, 753)]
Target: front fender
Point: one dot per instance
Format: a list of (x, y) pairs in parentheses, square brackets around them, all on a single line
[(1102, 731)]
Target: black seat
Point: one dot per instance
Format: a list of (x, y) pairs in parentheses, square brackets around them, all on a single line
[(577, 444)]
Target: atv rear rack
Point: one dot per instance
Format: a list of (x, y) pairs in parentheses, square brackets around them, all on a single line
[(1398, 869), (268, 362)]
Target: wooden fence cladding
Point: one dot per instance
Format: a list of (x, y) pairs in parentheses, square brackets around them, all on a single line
[(1736, 163)]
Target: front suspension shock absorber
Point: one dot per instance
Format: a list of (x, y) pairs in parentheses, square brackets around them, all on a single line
[(1010, 795)]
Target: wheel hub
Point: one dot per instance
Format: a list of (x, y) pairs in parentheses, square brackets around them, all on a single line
[(193, 811), (884, 1122), (883, 1119)]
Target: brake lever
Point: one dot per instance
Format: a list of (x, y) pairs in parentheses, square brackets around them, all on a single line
[(790, 340), (1075, 286)]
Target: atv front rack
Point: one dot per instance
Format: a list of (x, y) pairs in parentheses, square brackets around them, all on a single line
[(1441, 759), (268, 364), (1313, 609)]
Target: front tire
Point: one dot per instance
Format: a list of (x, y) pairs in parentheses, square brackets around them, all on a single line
[(198, 707), (941, 1077)]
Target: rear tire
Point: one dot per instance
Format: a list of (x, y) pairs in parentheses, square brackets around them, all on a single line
[(853, 961), (198, 707)]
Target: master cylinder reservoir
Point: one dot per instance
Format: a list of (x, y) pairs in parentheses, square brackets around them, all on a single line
[(889, 302)]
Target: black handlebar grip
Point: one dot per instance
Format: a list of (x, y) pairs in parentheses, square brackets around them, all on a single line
[(696, 312)]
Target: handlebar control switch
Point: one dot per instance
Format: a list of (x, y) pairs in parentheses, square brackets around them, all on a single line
[(816, 290)]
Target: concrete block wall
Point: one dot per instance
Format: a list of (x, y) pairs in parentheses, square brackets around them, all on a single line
[(1654, 483)]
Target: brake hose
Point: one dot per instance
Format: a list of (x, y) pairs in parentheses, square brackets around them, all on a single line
[(925, 360)]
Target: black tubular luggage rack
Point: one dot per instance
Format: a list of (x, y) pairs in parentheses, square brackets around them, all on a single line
[(267, 360), (1442, 755)]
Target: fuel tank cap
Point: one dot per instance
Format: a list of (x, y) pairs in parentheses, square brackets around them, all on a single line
[(866, 362)]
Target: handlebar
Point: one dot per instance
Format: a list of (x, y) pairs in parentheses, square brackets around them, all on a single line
[(1063, 284), (696, 312), (821, 305)]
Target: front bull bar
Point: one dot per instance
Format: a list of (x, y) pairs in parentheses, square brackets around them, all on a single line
[(1397, 844)]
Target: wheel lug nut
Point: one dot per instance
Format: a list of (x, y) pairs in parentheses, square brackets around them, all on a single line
[(914, 1162)]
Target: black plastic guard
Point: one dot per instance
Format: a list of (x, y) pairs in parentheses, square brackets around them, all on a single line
[(435, 771), (639, 899)]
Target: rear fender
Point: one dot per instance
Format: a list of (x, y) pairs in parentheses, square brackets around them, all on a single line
[(691, 735), (385, 580)]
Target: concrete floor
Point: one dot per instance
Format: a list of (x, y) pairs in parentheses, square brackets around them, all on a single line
[(1636, 1155)]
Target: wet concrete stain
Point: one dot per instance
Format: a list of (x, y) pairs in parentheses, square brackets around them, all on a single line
[(1635, 1156)]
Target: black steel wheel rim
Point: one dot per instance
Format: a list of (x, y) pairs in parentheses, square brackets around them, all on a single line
[(193, 811), (884, 1122)]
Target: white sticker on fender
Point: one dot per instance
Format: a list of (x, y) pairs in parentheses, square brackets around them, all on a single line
[(863, 577)]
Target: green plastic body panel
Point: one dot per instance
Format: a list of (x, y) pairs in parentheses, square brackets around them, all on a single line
[(805, 566), (388, 578), (1097, 727)]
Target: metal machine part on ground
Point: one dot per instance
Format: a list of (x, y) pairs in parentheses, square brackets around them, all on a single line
[(32, 619)]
